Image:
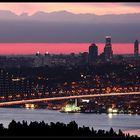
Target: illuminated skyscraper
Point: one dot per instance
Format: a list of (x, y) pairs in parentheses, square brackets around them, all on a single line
[(93, 53), (136, 48), (108, 53)]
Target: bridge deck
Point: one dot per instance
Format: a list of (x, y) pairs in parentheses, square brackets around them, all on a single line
[(67, 97)]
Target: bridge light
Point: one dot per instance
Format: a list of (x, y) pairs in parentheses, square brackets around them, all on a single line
[(10, 96)]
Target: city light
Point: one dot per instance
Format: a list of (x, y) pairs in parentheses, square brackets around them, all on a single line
[(108, 36), (27, 105), (114, 110), (55, 70), (110, 110), (84, 100), (32, 106), (15, 80), (10, 96)]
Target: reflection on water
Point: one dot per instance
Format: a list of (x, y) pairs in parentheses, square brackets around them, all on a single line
[(97, 121), (110, 115)]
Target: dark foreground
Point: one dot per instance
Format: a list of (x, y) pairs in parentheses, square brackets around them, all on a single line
[(56, 130)]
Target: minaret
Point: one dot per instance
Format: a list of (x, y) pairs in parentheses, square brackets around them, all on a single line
[(76, 102)]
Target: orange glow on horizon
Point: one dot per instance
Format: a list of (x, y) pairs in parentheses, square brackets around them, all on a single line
[(96, 8), (63, 48)]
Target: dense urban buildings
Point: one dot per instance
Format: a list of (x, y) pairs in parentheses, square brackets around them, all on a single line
[(50, 75)]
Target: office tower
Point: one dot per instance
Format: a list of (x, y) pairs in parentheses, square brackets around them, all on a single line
[(84, 58), (108, 53), (136, 48), (93, 53), (37, 53), (38, 60), (47, 59)]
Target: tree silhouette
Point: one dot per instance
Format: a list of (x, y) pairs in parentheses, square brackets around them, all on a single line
[(56, 129)]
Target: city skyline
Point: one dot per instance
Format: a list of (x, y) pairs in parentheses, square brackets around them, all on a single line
[(62, 58), (32, 48), (67, 48)]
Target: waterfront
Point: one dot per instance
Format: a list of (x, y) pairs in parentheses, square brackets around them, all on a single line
[(125, 122)]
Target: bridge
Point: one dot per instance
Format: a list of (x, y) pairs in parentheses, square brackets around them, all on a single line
[(66, 97)]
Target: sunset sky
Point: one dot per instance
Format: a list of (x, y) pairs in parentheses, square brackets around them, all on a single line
[(57, 48), (97, 8), (122, 28)]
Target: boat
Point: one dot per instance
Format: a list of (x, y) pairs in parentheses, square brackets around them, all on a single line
[(70, 108)]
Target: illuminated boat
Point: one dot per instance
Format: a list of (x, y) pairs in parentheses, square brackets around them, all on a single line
[(70, 108)]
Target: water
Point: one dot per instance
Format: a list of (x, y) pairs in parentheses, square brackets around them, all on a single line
[(128, 123)]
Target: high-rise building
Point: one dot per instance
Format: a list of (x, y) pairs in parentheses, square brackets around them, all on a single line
[(84, 58), (38, 60), (93, 53), (47, 59), (136, 48), (108, 53)]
